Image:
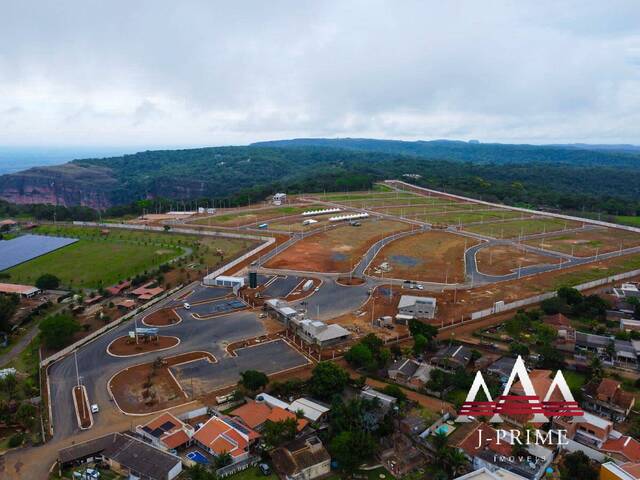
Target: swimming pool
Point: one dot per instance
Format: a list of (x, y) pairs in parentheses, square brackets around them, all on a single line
[(198, 458), (445, 428)]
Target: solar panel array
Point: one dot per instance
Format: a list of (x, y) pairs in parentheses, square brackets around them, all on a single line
[(27, 247)]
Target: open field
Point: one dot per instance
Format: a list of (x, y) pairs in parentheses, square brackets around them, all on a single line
[(515, 228), (425, 209), (432, 256), (390, 201), (337, 249), (247, 216), (505, 259), (588, 243), (99, 259), (464, 217)]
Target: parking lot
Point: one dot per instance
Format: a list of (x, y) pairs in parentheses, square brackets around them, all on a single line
[(215, 307), (281, 286), (271, 357)]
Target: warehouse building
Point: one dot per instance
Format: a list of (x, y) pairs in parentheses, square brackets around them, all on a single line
[(418, 307)]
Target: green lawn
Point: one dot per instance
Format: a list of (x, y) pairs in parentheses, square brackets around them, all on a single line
[(251, 474), (628, 220), (374, 474), (575, 380), (515, 228), (101, 260)]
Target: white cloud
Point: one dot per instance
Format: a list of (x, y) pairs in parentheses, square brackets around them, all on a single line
[(210, 73)]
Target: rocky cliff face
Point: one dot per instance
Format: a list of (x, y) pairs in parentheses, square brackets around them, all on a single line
[(67, 185)]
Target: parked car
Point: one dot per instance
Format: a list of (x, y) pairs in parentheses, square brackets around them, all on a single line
[(265, 469), (94, 408), (186, 305)]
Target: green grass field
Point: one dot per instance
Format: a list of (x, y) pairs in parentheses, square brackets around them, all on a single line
[(515, 228), (247, 217), (101, 260), (455, 218), (630, 220)]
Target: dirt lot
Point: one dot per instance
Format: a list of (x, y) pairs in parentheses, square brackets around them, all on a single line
[(336, 250), (433, 256), (585, 244), (246, 216), (126, 346), (83, 407), (161, 318), (148, 388), (505, 259)]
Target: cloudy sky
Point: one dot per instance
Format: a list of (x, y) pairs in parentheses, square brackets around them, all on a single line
[(161, 73)]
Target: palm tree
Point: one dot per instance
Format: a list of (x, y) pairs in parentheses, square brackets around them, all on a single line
[(456, 462)]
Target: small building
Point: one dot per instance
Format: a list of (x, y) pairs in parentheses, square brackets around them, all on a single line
[(25, 291), (125, 455), (125, 304), (222, 434), (400, 456), (279, 198), (313, 411), (119, 288), (591, 430), (223, 281), (319, 333), (629, 325), (418, 307), (402, 370), (421, 376), (387, 401), (622, 449), (626, 471), (281, 309), (566, 334), (303, 459), (166, 432), (486, 474), (501, 368), (606, 398), (147, 291), (627, 290), (452, 357)]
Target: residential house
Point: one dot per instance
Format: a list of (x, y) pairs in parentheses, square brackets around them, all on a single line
[(303, 459), (400, 456), (485, 449), (452, 357), (256, 414), (541, 381), (312, 411), (402, 370), (502, 368), (25, 291), (620, 353), (605, 397), (591, 430), (421, 376), (622, 449), (625, 471), (486, 474), (221, 435), (125, 455), (386, 401), (566, 334), (167, 432)]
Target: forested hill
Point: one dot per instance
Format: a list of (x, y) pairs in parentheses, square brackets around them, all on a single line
[(568, 178), (498, 153)]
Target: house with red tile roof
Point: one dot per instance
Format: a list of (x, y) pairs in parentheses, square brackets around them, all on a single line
[(256, 414), (625, 448), (221, 435), (566, 334), (167, 432), (147, 292), (119, 288), (486, 449), (625, 471), (591, 430), (605, 397), (541, 381)]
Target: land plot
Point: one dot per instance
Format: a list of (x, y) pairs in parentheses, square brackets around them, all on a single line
[(505, 259), (271, 357), (515, 228), (103, 257), (398, 201), (432, 256), (464, 217), (294, 223), (426, 208), (245, 217), (589, 242), (336, 250), (27, 247)]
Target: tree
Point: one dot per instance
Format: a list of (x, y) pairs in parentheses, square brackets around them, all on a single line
[(57, 330), (223, 460), (395, 391), (47, 281), (577, 465), (351, 448), (253, 380), (419, 344), (571, 296), (200, 472), (360, 356), (276, 433), (8, 384), (519, 349), (327, 379), (8, 306), (417, 327), (25, 415)]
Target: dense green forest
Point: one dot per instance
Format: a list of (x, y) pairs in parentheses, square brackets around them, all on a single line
[(554, 178)]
